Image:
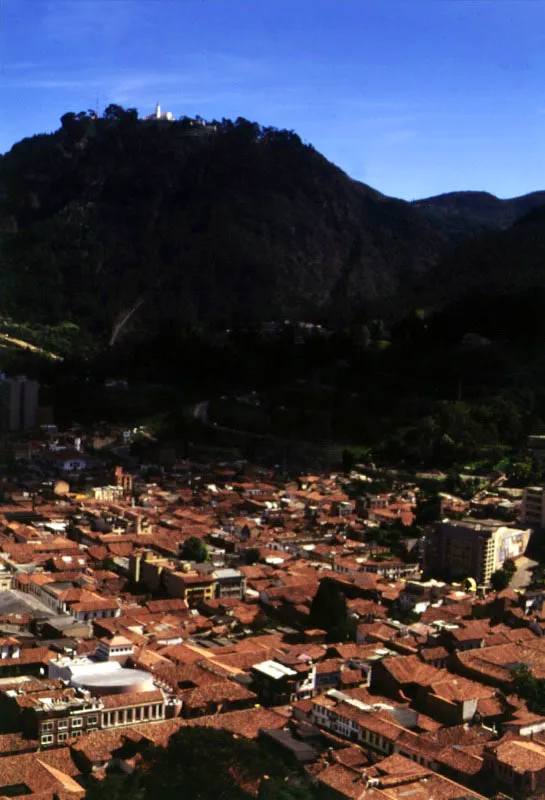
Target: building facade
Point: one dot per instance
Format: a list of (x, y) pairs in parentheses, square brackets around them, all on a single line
[(473, 549), (276, 683), (533, 507), (176, 578), (18, 404), (53, 721)]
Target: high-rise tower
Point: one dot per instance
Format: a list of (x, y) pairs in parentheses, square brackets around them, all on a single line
[(18, 403)]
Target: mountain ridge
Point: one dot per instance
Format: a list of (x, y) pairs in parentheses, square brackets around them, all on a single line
[(467, 213), (222, 224)]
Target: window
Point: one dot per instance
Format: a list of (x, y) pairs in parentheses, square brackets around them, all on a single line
[(92, 720), (77, 722), (47, 726), (62, 737), (48, 739), (62, 724)]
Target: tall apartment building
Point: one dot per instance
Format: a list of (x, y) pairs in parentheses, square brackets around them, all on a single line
[(533, 507), (473, 548), (18, 403)]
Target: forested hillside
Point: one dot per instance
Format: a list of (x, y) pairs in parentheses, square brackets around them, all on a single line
[(459, 215), (116, 218)]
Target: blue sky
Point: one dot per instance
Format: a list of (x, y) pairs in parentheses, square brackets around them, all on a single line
[(414, 97)]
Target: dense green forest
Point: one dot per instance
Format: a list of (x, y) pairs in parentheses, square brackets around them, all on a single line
[(116, 224), (154, 252), (114, 218), (463, 386)]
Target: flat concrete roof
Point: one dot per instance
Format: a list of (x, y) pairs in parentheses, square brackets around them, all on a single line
[(227, 572), (273, 669), (122, 677)]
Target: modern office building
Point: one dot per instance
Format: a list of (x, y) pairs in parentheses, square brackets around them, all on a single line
[(473, 548), (533, 507), (18, 404)]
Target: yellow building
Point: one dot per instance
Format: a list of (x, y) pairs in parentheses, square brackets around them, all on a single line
[(172, 577)]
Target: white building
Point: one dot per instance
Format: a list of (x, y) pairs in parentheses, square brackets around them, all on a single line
[(18, 403), (533, 506), (167, 116)]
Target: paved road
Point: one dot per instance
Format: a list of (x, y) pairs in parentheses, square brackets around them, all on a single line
[(13, 601)]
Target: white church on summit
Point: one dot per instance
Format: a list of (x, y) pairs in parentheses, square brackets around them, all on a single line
[(163, 115)]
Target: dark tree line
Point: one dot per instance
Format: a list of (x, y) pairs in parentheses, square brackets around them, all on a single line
[(206, 764)]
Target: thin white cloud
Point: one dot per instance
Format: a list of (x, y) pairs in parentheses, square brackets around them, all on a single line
[(22, 66), (93, 20), (199, 79)]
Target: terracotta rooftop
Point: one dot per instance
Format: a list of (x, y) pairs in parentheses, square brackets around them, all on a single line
[(521, 755), (44, 774), (410, 669), (245, 723), (345, 781), (132, 699)]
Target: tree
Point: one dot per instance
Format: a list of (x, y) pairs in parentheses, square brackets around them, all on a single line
[(68, 119), (500, 580), (427, 510), (178, 770), (115, 787), (520, 472), (348, 460), (251, 556), (530, 688), (411, 330), (114, 112), (328, 610), (238, 769), (377, 330), (75, 126), (194, 549), (406, 616), (462, 487), (360, 337), (510, 568), (246, 131)]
